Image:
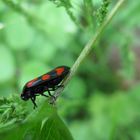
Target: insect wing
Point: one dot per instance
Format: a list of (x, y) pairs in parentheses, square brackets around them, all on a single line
[(55, 73)]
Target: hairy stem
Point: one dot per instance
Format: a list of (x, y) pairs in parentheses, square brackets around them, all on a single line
[(89, 45)]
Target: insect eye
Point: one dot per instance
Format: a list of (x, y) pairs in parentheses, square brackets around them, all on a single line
[(22, 97), (25, 97)]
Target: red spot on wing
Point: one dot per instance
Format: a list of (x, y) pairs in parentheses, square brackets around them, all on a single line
[(59, 71), (29, 84), (46, 77)]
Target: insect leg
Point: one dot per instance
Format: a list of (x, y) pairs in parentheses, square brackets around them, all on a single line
[(51, 94), (58, 86), (49, 89), (33, 100), (44, 95)]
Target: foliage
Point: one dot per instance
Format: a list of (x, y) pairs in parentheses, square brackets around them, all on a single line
[(102, 11), (101, 101), (42, 124)]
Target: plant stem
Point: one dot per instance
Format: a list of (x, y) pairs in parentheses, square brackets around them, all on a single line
[(89, 45)]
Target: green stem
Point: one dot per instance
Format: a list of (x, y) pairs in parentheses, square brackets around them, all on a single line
[(89, 45)]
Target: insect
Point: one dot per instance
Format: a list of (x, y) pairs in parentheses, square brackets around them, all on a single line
[(47, 82)]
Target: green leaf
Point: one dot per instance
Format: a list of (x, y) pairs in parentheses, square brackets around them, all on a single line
[(43, 124), (55, 129)]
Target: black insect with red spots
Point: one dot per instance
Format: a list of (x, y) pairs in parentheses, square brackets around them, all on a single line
[(47, 82)]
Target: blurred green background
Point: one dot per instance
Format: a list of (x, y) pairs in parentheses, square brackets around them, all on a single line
[(102, 100)]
